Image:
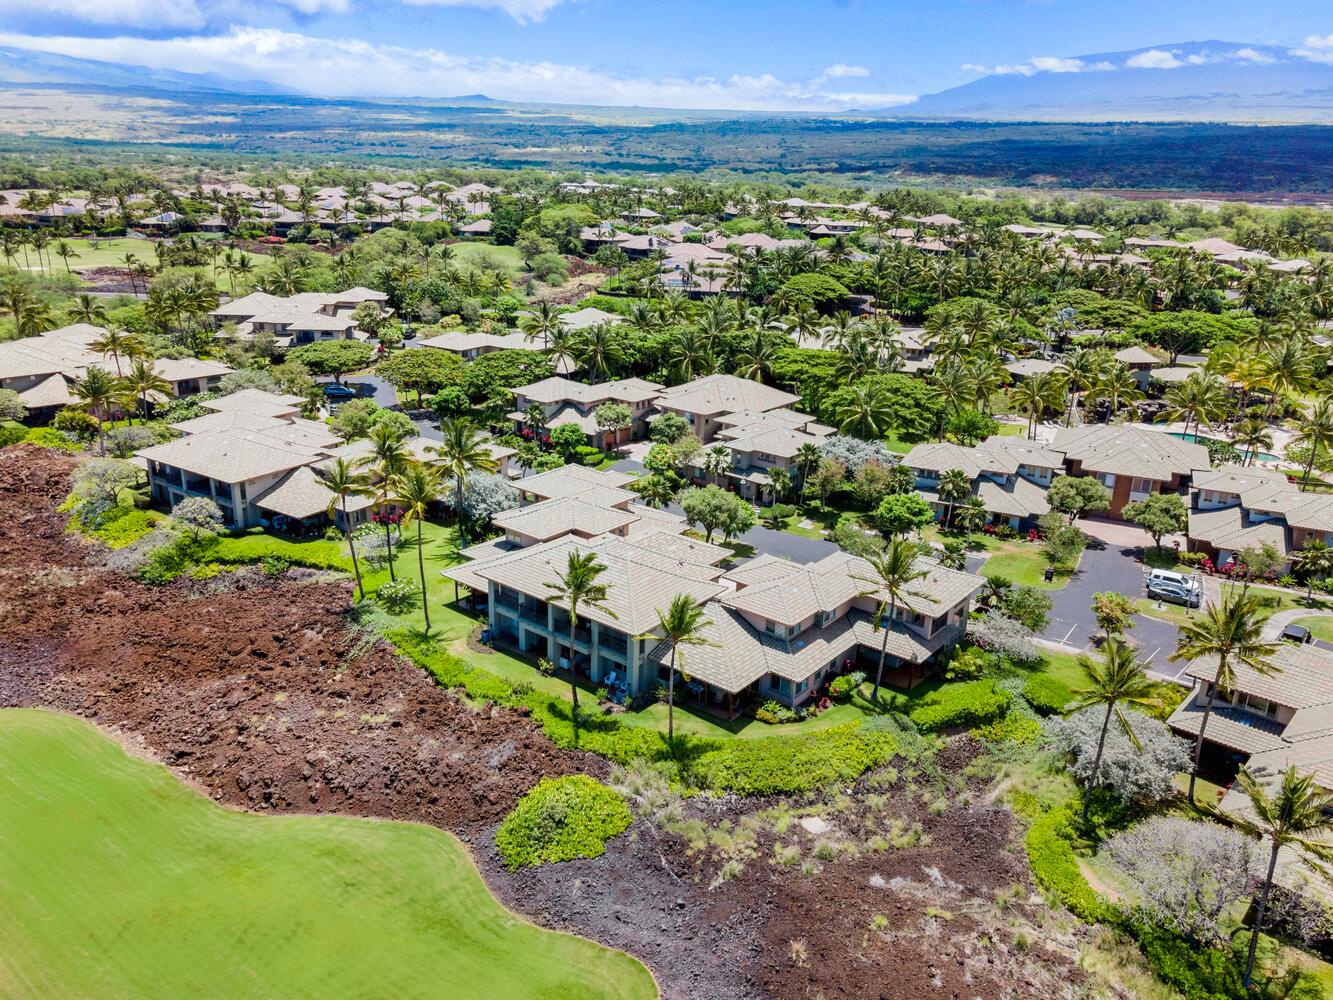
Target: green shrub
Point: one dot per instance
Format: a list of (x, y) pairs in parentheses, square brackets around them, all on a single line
[(845, 686), (971, 704), (559, 820), (11, 433), (1199, 973), (1013, 728), (125, 527), (397, 596), (257, 547), (49, 437), (1054, 866), (1047, 694), (169, 561), (785, 764)]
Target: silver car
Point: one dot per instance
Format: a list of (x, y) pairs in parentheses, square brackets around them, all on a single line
[(1165, 585)]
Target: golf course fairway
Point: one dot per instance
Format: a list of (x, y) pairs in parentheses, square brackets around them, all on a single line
[(119, 881)]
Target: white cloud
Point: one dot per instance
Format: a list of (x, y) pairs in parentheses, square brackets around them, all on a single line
[(1253, 56), (159, 14), (1153, 59), (522, 11), (1317, 48), (1038, 64), (351, 67), (839, 70)]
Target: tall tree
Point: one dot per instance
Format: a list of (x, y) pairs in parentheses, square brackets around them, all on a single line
[(97, 392), (343, 481), (387, 457), (1117, 681), (579, 585), (1299, 817), (1315, 431), (896, 568), (462, 451), (1231, 632), (682, 624), (416, 487)]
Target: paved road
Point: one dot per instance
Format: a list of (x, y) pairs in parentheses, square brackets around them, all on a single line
[(371, 387)]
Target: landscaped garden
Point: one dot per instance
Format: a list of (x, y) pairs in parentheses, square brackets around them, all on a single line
[(117, 880)]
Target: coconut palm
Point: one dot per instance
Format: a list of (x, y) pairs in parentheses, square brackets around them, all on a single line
[(682, 624), (142, 381), (778, 483), (970, 515), (896, 568), (463, 450), (416, 487), (867, 414), (1313, 562), (1117, 681), (1035, 395), (97, 392), (599, 350), (544, 323), (805, 461), (386, 458), (953, 489), (87, 309), (1315, 431), (117, 343), (343, 481), (1118, 386), (1251, 435), (578, 585), (66, 252), (1231, 632), (1297, 816)]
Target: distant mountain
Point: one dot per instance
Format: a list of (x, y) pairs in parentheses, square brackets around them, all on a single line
[(33, 67), (1191, 81)]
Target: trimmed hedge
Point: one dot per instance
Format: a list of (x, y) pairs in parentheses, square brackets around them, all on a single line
[(1047, 694), (1054, 866), (747, 767), (973, 704), (237, 550), (559, 820)]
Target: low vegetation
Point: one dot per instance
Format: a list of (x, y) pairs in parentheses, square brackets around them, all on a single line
[(561, 819)]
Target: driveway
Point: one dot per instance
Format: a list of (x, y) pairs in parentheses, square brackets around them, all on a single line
[(1110, 566), (370, 387)]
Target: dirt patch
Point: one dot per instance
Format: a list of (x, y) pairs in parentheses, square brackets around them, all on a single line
[(254, 687), (256, 690), (110, 279)]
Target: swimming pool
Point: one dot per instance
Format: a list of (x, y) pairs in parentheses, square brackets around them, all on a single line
[(1262, 456)]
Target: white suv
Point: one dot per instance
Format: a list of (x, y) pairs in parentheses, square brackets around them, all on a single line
[(1175, 587)]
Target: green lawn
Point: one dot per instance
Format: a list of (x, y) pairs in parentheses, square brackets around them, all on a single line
[(117, 880), (1024, 563), (1320, 626), (106, 253), (470, 254)]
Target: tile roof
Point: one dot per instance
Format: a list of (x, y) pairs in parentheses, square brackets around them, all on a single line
[(1230, 528), (580, 481), (302, 493), (559, 390), (561, 516), (1230, 727), (724, 394), (257, 401), (229, 457), (1304, 678), (1130, 451), (177, 369)]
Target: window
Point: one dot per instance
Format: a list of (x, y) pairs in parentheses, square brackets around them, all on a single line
[(1259, 706), (1141, 485)]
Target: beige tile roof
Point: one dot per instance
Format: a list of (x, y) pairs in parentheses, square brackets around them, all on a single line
[(459, 341), (724, 394), (270, 404), (302, 493), (603, 487), (1229, 528), (741, 654), (1229, 727), (176, 369), (229, 457), (651, 521), (1237, 479), (638, 581), (1135, 355), (782, 442), (1027, 367), (58, 351), (581, 319), (50, 391), (561, 516), (1130, 451), (1019, 498), (1305, 678), (563, 390)]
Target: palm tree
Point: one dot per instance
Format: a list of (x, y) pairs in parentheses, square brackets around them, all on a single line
[(65, 252), (1233, 633), (716, 462), (1118, 386), (117, 342), (953, 489), (896, 568), (1299, 817), (416, 488), (143, 380), (386, 458), (682, 624), (970, 515), (1315, 560), (1035, 395), (806, 460), (86, 309), (867, 414), (343, 481), (778, 483), (544, 323), (1117, 681), (599, 350), (1201, 399), (577, 585), (1315, 431), (461, 451), (97, 392), (1251, 435)]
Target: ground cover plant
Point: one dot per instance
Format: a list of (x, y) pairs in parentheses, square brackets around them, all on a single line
[(561, 819), (195, 900)]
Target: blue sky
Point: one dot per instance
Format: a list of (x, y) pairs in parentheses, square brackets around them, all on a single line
[(762, 54)]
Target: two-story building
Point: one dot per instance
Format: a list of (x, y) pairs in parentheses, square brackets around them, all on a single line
[(1009, 475), (759, 442), (567, 402), (704, 401), (298, 319), (1233, 508), (1130, 462)]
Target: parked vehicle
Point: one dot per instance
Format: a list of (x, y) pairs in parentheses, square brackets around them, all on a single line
[(1298, 634), (1165, 585), (336, 390)]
